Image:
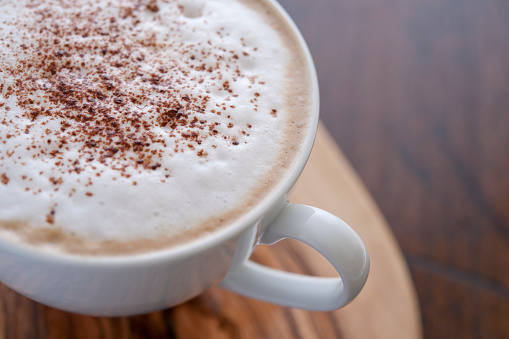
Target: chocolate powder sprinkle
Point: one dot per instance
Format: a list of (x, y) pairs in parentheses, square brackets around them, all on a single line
[(115, 96), (4, 179)]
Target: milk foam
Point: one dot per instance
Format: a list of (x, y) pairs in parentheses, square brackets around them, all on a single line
[(131, 121)]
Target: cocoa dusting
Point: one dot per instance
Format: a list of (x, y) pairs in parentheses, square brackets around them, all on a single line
[(4, 179), (115, 99), (50, 218)]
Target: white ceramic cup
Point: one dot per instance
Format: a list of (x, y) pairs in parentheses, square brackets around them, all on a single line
[(141, 283)]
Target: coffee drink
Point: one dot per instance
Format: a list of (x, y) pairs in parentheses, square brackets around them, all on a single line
[(130, 126)]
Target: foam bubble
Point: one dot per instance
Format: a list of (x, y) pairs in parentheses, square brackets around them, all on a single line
[(191, 9)]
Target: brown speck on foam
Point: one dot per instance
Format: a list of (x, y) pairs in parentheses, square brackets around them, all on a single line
[(4, 179), (50, 217), (152, 6)]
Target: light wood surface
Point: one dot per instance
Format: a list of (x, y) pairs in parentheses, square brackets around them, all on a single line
[(386, 308)]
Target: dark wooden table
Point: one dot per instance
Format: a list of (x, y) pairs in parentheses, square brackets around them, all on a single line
[(416, 93)]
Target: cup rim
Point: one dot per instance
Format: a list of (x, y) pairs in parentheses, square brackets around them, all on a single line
[(223, 233)]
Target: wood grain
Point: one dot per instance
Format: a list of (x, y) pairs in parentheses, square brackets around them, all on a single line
[(386, 308), (416, 93)]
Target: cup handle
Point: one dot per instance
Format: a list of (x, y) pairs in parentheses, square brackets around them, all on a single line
[(326, 233)]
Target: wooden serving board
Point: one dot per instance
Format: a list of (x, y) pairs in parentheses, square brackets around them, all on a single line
[(386, 308)]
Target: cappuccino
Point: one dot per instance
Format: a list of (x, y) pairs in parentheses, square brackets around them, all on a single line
[(131, 126)]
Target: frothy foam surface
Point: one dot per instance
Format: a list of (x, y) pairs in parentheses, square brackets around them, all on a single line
[(131, 125)]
